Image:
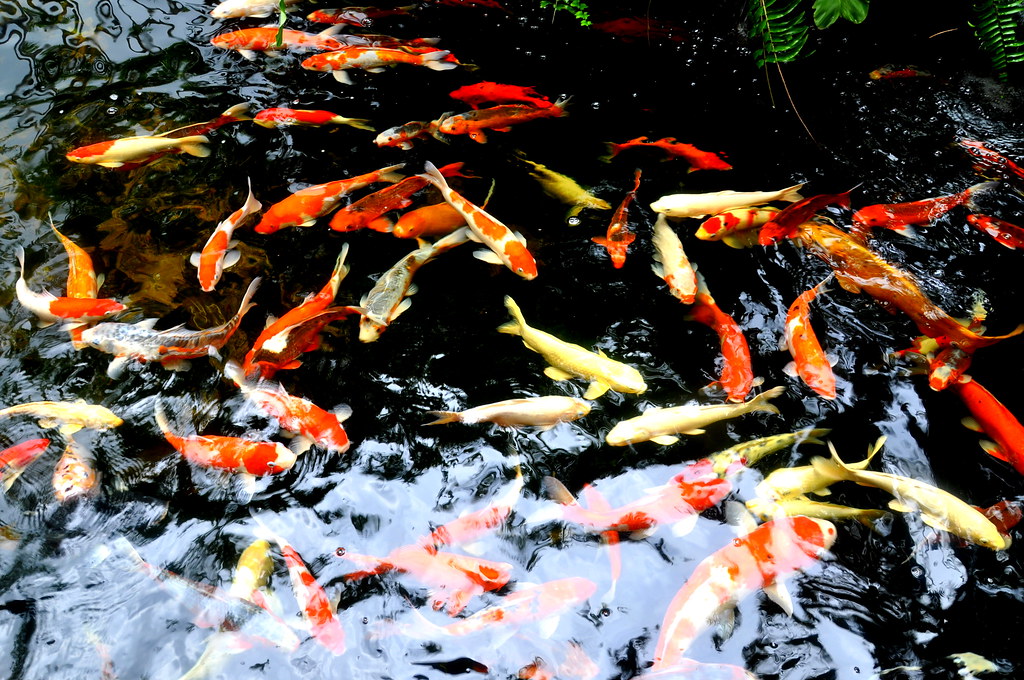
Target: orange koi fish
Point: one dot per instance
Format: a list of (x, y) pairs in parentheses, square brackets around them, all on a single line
[(218, 254), (14, 459), (304, 207), (496, 93), (784, 223), (900, 217), (809, 360), (281, 117), (248, 41), (403, 135), (988, 159), (698, 160), (505, 246), (671, 264), (50, 309), (312, 424), (736, 228), (1005, 515), (428, 220), (1005, 234), (75, 474), (619, 234), (499, 118), (82, 279), (995, 420), (374, 60), (737, 376), (858, 268), (756, 561), (172, 347), (358, 16), (473, 525), (291, 340)]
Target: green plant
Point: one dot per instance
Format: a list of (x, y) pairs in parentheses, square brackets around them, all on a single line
[(998, 29), (579, 9), (282, 16)]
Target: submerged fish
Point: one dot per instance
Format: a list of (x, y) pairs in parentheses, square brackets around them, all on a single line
[(68, 417), (542, 412), (699, 205)]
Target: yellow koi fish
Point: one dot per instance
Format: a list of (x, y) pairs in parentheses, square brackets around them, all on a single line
[(699, 205), (804, 479), (565, 189), (68, 417)]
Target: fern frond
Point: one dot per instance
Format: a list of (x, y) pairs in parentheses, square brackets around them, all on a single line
[(781, 29), (1000, 33)]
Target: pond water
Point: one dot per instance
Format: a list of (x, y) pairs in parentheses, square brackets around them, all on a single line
[(889, 603)]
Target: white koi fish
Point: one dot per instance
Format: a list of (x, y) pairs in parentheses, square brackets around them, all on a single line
[(699, 205), (672, 264)]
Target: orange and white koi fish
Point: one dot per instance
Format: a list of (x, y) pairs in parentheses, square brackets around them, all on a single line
[(172, 347), (50, 309), (736, 228), (75, 474), (389, 297), (698, 160), (232, 454), (499, 118), (737, 376), (564, 188), (496, 93), (699, 205), (374, 59), (402, 136), (14, 459), (82, 279), (218, 254), (304, 207), (473, 525), (987, 159), (1004, 233), (671, 263), (757, 561), (282, 117), (995, 420), (619, 235), (901, 217), (542, 412), (358, 16), (248, 41), (233, 9), (428, 220), (290, 341), (317, 611), (312, 424), (809, 360), (784, 224), (504, 246), (67, 417)]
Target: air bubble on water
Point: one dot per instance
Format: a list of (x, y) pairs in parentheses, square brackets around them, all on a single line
[(112, 111), (595, 105), (574, 221), (916, 571), (113, 97)]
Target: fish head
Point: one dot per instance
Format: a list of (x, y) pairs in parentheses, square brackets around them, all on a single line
[(520, 260), (370, 330), (628, 379), (814, 535), (270, 459), (626, 432)]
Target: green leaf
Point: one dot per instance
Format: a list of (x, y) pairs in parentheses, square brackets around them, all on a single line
[(827, 11), (282, 17)]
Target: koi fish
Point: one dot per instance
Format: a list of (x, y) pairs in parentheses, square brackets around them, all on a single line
[(218, 254), (784, 224), (988, 159), (757, 561), (14, 459), (542, 412), (809, 360), (291, 340), (67, 417), (428, 220), (619, 235), (795, 482), (939, 509), (403, 135), (699, 205), (900, 217), (312, 424), (791, 506), (373, 59), (890, 71), (568, 360), (172, 347), (358, 16), (75, 474), (499, 118), (671, 263), (1004, 233), (995, 420), (248, 41), (233, 9), (737, 376), (50, 309), (858, 268), (281, 117), (736, 228), (661, 425), (698, 160), (564, 189), (488, 92), (82, 279), (302, 208), (504, 246), (739, 456), (389, 297), (472, 525), (631, 29)]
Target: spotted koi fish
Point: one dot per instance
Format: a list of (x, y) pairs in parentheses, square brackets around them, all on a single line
[(283, 117), (358, 16), (249, 41), (374, 59), (619, 235), (736, 228), (14, 459), (499, 118), (75, 474), (402, 136), (218, 254)]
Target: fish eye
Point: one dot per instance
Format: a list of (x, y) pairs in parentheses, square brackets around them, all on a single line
[(519, 270)]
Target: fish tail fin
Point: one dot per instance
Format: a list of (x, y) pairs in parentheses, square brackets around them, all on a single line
[(444, 417), (340, 271), (813, 436), (359, 123), (516, 326), (792, 194), (761, 401), (251, 205), (391, 174), (238, 112), (247, 302), (613, 151), (434, 176), (557, 492), (161, 418), (832, 469), (195, 145)]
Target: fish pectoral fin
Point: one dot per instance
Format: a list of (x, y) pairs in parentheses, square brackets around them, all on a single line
[(405, 304), (300, 444), (342, 77), (111, 164), (231, 258), (488, 256), (248, 54), (900, 506), (779, 594), (556, 373), (342, 412), (116, 367), (846, 284), (665, 439), (694, 431), (176, 364), (992, 449), (67, 429), (596, 389), (194, 259), (971, 424), (547, 627), (790, 369), (685, 525), (412, 289)]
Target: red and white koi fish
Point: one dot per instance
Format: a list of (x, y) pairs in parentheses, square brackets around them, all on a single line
[(218, 254), (784, 224), (671, 263), (901, 217), (75, 474), (358, 16), (281, 117), (736, 228), (172, 347), (496, 93), (757, 561), (995, 420), (373, 59), (619, 235), (233, 9), (304, 207), (312, 424), (478, 523), (403, 135), (499, 118), (289, 342), (428, 220), (249, 41), (14, 459), (1004, 233), (737, 373), (50, 309), (317, 611), (699, 205), (542, 412), (505, 246), (989, 159), (809, 360), (698, 160), (389, 296)]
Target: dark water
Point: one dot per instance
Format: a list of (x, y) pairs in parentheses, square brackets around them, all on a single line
[(882, 605)]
